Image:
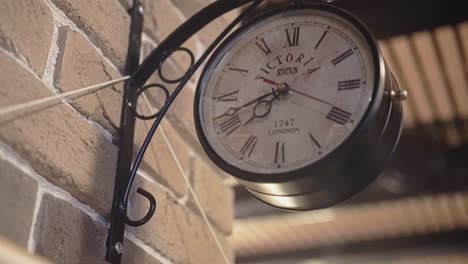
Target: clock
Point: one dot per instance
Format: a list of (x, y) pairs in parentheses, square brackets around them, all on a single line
[(299, 106)]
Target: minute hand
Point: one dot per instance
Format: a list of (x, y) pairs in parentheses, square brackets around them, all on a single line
[(258, 99), (310, 96)]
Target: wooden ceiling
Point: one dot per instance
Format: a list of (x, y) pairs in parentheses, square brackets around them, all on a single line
[(431, 65), (289, 233)]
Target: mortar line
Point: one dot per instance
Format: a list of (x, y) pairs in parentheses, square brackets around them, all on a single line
[(48, 75), (62, 20), (31, 247), (148, 249), (180, 200)]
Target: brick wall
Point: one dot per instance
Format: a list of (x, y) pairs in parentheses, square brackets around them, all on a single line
[(57, 163)]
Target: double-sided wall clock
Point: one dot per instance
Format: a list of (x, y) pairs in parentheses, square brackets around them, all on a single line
[(298, 104)]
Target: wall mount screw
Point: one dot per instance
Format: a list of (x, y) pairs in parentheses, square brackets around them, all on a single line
[(118, 247)]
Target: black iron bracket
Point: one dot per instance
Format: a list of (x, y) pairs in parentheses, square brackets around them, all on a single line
[(135, 86), (119, 218)]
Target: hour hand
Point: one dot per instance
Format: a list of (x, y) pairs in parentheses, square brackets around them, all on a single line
[(233, 110), (262, 109), (230, 112)]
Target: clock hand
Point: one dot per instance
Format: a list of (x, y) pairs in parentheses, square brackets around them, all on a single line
[(267, 103), (266, 80), (233, 110), (260, 98), (310, 96)]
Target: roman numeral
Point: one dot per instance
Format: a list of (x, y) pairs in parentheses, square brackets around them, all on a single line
[(262, 45), (314, 140), (338, 115), (249, 146), (320, 40), (228, 97), (243, 72), (279, 152), (292, 36), (349, 84), (343, 56), (230, 125)]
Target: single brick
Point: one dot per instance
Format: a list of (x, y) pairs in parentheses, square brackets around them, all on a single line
[(105, 21), (133, 254), (198, 240), (26, 29), (210, 31), (80, 65), (64, 234), (58, 143), (217, 200), (161, 232), (182, 109), (17, 199), (161, 19)]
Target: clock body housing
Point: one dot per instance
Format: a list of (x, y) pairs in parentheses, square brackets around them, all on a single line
[(297, 105)]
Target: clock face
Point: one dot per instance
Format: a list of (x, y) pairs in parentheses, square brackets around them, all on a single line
[(286, 91)]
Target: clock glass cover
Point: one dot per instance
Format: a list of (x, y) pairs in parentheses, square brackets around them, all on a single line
[(285, 91)]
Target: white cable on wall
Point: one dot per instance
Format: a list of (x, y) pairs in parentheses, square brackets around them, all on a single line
[(14, 109)]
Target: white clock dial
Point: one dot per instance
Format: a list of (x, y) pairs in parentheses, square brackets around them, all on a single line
[(286, 91)]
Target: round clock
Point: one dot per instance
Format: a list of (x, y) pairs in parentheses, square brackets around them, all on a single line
[(300, 107)]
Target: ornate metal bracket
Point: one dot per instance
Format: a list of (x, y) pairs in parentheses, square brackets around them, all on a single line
[(134, 87)]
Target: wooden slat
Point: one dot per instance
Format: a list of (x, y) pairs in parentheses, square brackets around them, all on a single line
[(433, 74), (447, 259), (385, 220), (418, 94), (462, 29), (454, 67)]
